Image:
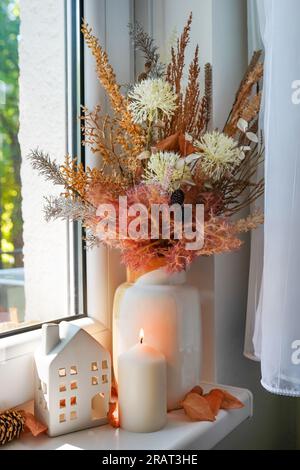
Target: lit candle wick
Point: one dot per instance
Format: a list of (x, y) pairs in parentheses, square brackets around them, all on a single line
[(141, 336)]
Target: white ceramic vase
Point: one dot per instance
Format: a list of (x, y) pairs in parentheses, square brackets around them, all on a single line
[(168, 310)]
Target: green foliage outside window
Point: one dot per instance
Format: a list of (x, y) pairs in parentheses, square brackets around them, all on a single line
[(11, 223)]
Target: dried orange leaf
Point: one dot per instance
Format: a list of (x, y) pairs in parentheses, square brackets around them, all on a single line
[(197, 408), (197, 389), (215, 399), (230, 402), (33, 425), (114, 392), (185, 147), (113, 414), (170, 143)]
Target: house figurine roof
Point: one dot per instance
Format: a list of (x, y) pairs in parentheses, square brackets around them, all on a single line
[(56, 337)]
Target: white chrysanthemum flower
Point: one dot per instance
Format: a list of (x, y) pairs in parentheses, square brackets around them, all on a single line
[(152, 98), (169, 170), (218, 154)]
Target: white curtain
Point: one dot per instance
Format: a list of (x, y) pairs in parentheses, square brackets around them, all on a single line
[(253, 326), (277, 322)]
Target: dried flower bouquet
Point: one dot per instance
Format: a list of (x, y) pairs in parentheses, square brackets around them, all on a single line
[(155, 148)]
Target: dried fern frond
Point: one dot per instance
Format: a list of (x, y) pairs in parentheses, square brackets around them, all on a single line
[(75, 176), (252, 222), (104, 136), (92, 183), (118, 102), (46, 167), (145, 43), (94, 133), (68, 209)]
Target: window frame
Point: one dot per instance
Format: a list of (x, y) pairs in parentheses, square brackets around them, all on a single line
[(75, 86), (75, 99)]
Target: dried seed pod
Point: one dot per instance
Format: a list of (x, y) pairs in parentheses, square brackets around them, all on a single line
[(177, 197)]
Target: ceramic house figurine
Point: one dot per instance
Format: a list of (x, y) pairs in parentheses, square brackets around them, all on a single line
[(73, 379)]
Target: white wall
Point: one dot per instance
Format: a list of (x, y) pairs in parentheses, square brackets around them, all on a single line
[(43, 125)]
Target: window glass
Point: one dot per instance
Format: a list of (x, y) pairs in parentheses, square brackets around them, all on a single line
[(38, 260)]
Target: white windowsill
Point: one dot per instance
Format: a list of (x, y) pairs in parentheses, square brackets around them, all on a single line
[(179, 433)]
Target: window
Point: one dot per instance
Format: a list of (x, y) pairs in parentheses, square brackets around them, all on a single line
[(73, 401), (94, 380), (62, 403), (73, 385), (42, 265), (73, 370), (62, 372)]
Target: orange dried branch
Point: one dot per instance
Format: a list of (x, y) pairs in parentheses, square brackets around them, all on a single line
[(107, 78), (190, 107), (75, 176), (104, 136), (176, 66), (175, 72)]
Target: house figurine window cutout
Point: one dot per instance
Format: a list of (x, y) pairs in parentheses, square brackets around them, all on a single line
[(70, 390)]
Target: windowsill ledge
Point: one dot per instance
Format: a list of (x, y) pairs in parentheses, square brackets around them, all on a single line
[(179, 433)]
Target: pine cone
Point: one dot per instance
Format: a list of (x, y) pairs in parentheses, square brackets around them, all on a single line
[(11, 426), (177, 197)]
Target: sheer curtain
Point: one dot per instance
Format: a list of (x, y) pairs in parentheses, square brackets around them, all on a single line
[(277, 321), (253, 325)]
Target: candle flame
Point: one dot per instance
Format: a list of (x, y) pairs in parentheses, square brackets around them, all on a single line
[(142, 334)]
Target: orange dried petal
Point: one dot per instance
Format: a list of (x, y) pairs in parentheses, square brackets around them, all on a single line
[(169, 144), (197, 389), (185, 147), (33, 425), (230, 402), (215, 399), (113, 414), (197, 408)]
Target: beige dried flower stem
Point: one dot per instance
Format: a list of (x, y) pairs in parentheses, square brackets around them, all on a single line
[(107, 78)]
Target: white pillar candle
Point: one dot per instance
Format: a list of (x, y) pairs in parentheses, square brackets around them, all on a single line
[(142, 389)]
